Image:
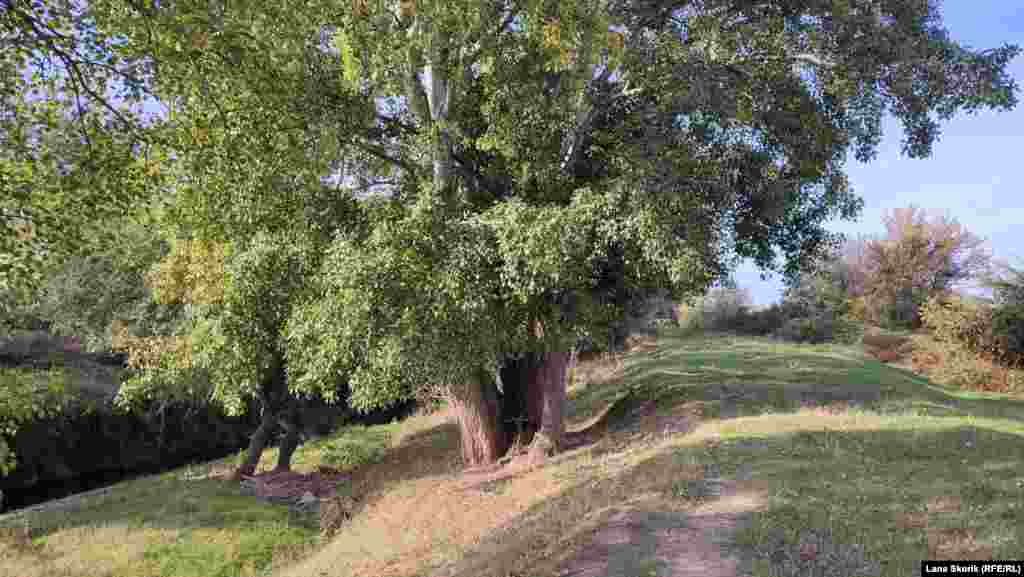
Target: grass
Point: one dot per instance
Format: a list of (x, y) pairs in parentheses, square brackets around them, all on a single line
[(833, 461), (184, 522), (169, 524)]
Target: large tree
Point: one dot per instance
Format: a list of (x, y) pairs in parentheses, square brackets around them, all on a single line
[(539, 160)]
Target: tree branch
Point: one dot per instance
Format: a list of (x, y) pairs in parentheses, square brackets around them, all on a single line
[(382, 154)]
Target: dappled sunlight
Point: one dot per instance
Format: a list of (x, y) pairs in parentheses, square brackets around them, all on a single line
[(658, 453), (109, 549)]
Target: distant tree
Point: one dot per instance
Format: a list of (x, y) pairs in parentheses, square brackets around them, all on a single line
[(921, 255), (1007, 284), (723, 305), (83, 294)]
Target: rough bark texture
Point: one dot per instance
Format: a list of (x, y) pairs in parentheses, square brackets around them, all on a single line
[(550, 382), (479, 414)]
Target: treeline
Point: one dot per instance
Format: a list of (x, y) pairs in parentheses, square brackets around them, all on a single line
[(926, 274)]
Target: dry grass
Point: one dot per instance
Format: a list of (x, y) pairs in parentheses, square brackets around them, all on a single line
[(957, 543), (882, 341), (528, 520), (954, 365), (829, 462)]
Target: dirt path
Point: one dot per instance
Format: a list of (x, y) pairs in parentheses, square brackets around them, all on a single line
[(641, 543), (651, 543)]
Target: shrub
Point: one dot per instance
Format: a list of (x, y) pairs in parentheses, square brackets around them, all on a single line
[(359, 446), (691, 316), (996, 332), (761, 322), (724, 308), (1008, 330), (820, 328), (952, 363)]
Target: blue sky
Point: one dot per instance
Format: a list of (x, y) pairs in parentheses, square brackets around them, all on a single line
[(976, 171)]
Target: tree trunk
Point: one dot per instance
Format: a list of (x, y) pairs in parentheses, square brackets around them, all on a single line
[(290, 422), (273, 396), (550, 382), (476, 405), (522, 401), (258, 442)]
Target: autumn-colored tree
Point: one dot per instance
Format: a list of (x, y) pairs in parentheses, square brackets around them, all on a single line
[(921, 255)]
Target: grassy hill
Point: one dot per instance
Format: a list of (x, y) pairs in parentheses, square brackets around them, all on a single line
[(740, 455)]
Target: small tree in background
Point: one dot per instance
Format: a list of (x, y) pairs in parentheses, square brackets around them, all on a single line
[(921, 255), (1008, 317)]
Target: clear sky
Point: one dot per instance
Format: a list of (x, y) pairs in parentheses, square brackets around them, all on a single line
[(976, 171)]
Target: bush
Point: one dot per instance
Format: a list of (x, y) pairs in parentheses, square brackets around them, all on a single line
[(59, 435), (759, 323), (1008, 330), (952, 363), (359, 446), (821, 328), (996, 332)]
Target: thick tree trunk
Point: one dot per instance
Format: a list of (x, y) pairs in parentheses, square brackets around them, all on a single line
[(550, 381), (476, 405)]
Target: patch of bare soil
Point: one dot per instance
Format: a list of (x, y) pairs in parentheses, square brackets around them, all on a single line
[(639, 543), (288, 485)]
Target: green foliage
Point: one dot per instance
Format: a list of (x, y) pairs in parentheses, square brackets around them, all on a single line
[(1008, 326), (84, 295), (657, 156), (26, 395), (993, 331), (241, 297), (820, 328), (813, 310), (358, 446)]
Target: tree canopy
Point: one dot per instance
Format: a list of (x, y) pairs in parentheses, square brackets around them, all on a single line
[(530, 162)]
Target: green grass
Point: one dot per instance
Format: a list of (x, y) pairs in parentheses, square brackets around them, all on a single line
[(191, 525), (899, 469), (856, 484)]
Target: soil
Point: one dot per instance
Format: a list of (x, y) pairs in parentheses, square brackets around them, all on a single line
[(663, 544), (286, 486)]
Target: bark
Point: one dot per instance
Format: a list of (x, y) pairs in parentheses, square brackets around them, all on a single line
[(290, 423), (274, 398), (477, 407), (550, 380), (258, 442)]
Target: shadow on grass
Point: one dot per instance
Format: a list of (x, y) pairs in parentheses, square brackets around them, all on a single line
[(737, 377), (873, 502), (867, 502), (206, 525)]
